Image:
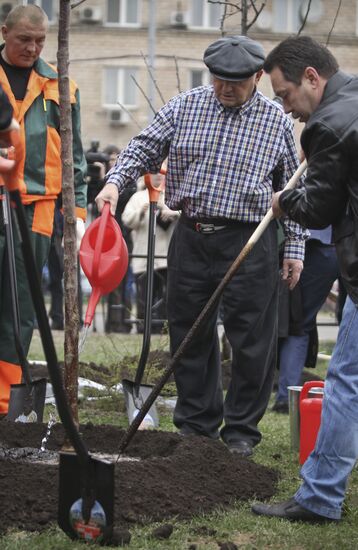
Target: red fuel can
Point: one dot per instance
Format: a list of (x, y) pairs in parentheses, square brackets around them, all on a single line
[(310, 418)]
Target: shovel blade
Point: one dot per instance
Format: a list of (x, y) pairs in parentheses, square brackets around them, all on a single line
[(133, 405), (27, 401), (100, 524)]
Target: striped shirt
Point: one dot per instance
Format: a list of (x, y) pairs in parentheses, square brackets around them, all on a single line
[(221, 161)]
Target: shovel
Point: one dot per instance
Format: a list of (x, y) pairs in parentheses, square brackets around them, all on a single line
[(203, 315), (136, 393), (86, 487), (27, 401), (104, 260)]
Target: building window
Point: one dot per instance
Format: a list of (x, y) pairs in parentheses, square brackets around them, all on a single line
[(286, 17), (47, 5), (120, 87), (123, 12), (199, 77), (203, 14)]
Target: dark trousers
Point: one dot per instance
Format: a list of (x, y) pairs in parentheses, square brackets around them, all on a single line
[(196, 264), (159, 306)]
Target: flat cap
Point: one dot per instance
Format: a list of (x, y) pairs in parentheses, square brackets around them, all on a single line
[(234, 58)]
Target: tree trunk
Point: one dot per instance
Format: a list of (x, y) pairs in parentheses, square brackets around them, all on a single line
[(68, 201)]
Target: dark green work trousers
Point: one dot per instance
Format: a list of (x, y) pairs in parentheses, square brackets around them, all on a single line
[(40, 244)]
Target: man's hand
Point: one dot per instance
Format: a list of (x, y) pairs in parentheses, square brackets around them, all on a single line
[(277, 212), (109, 194), (291, 272)]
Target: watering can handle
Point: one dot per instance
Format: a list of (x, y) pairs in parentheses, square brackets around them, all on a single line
[(153, 191), (100, 238), (307, 386)]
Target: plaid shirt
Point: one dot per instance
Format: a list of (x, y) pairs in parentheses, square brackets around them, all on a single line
[(221, 161)]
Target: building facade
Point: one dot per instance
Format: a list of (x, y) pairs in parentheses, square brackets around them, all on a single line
[(113, 44)]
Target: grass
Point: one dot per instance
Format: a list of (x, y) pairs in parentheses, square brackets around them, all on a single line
[(237, 525)]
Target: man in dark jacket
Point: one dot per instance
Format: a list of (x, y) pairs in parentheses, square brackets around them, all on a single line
[(306, 76)]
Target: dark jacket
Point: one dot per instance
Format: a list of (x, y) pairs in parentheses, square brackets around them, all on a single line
[(6, 110), (330, 193)]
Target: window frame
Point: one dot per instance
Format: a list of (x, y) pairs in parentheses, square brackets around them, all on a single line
[(292, 23), (121, 75), (206, 16), (122, 23)]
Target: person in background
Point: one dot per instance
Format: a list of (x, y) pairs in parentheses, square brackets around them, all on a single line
[(313, 88), (136, 217), (31, 85), (320, 270), (225, 144)]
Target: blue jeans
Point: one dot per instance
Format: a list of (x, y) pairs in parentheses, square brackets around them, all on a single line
[(319, 273), (326, 471)]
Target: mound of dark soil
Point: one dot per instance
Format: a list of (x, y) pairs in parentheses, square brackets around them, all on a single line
[(175, 476)]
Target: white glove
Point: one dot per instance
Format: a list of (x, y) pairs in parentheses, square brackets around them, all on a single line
[(80, 231)]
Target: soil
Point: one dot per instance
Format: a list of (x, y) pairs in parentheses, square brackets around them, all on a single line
[(164, 476), (173, 476)]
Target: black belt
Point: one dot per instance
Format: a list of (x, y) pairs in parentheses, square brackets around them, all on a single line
[(208, 225)]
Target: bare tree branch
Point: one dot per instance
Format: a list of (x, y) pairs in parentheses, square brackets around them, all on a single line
[(76, 4), (334, 22), (237, 7), (130, 115), (305, 18), (150, 72), (144, 94), (177, 73), (257, 13)]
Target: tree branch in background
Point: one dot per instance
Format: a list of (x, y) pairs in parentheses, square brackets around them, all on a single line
[(68, 201), (144, 94), (305, 18), (244, 6), (150, 72), (132, 117), (76, 4), (177, 73), (334, 22)]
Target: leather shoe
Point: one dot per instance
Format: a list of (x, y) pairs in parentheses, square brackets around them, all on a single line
[(240, 448), (289, 509)]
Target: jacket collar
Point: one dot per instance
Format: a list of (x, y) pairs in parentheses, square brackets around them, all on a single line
[(337, 81)]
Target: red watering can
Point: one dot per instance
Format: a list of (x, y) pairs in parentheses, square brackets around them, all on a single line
[(103, 258)]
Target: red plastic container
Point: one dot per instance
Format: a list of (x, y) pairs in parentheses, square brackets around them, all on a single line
[(310, 418), (103, 258)]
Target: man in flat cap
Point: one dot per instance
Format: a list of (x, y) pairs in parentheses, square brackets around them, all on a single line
[(226, 144)]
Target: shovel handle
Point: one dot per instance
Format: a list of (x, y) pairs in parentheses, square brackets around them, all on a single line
[(154, 191), (100, 239)]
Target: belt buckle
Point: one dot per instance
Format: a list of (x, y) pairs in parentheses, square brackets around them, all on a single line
[(205, 227)]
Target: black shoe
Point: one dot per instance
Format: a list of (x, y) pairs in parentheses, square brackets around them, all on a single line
[(289, 509), (240, 448), (280, 407)]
